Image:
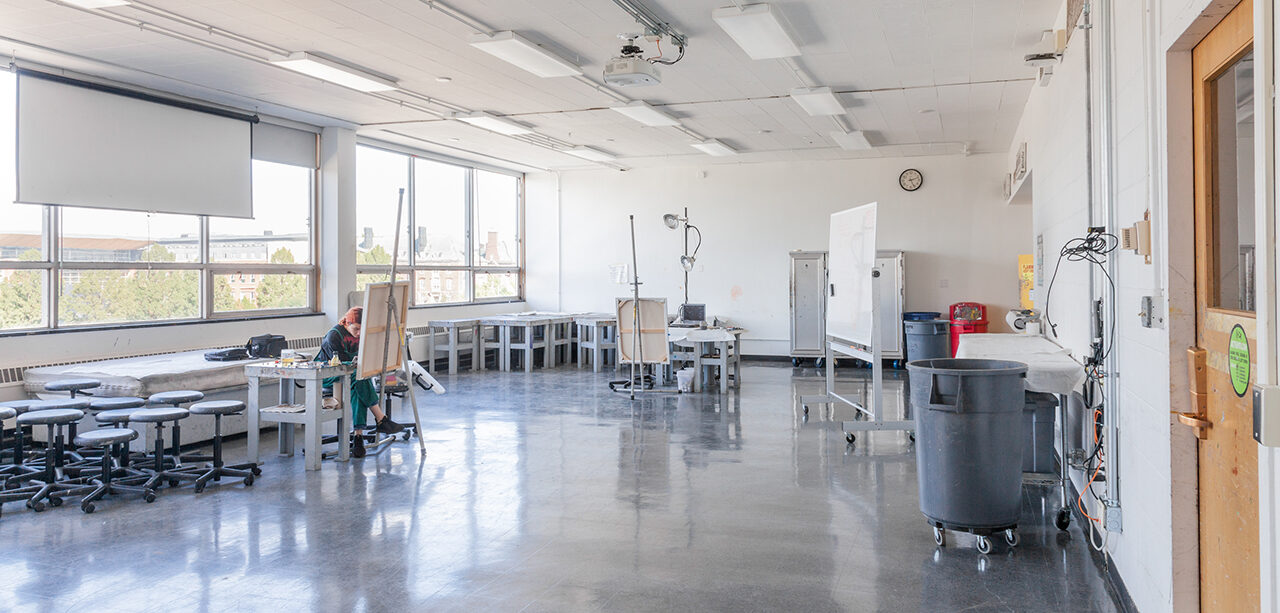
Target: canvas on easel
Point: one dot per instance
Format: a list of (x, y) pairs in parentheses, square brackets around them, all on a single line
[(377, 333), (653, 331)]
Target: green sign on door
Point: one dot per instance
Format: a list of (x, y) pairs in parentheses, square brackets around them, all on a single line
[(1238, 361)]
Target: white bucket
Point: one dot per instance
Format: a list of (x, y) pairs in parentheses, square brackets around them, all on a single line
[(684, 379)]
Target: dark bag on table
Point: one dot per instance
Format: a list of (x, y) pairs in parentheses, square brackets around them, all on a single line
[(265, 346), (234, 354)]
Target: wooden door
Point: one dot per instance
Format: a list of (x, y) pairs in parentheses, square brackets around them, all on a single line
[(1223, 360)]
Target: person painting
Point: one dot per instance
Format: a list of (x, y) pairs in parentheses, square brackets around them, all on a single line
[(343, 341)]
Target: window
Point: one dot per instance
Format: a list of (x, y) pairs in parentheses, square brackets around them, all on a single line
[(463, 224), (65, 266)]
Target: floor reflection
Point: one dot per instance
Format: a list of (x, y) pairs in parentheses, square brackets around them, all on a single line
[(550, 492)]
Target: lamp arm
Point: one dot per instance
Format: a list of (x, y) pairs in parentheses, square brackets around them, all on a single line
[(695, 229)]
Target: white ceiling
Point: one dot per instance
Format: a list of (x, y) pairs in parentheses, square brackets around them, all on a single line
[(921, 77)]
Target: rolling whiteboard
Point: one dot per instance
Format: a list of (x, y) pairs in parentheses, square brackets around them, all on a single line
[(84, 147), (851, 256), (375, 328)]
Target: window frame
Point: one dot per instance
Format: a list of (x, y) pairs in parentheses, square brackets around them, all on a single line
[(53, 266), (471, 267)]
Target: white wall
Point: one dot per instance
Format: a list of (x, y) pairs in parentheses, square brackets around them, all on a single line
[(1156, 555), (962, 240)]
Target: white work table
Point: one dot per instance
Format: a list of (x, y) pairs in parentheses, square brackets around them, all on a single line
[(310, 414), (727, 353), (1050, 370)]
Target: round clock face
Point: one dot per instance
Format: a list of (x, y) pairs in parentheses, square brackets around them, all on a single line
[(910, 179)]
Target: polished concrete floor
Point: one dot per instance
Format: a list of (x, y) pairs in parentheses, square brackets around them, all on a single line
[(547, 492)]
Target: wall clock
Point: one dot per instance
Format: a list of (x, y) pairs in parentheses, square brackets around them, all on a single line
[(910, 179)]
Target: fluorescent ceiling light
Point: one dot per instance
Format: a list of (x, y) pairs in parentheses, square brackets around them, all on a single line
[(852, 141), (817, 101), (523, 53), (714, 147), (492, 123), (644, 113), (96, 4), (757, 29), (595, 155), (334, 72)]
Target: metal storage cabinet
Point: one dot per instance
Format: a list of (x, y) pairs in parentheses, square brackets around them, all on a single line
[(893, 298), (808, 304)]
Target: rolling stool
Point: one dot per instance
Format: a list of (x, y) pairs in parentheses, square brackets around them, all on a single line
[(157, 417), (54, 483), (12, 495), (18, 452), (73, 386), (79, 405), (115, 412), (216, 470), (105, 483), (175, 399)]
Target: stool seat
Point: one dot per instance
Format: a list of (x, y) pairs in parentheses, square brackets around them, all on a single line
[(7, 413), (20, 406), (217, 407), (175, 397), (117, 402), (115, 416), (50, 417), (152, 416), (79, 404), (71, 385), (105, 436)]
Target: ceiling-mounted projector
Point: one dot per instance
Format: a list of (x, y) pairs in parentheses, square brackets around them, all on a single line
[(631, 72)]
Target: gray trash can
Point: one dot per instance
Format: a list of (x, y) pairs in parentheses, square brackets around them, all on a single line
[(969, 443), (1037, 425), (928, 339)]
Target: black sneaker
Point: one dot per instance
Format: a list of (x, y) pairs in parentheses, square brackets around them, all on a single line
[(386, 426)]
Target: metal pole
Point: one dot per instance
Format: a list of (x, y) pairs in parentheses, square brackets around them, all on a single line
[(686, 253), (391, 304), (635, 313)]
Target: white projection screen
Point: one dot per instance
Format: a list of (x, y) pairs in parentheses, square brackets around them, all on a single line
[(79, 146)]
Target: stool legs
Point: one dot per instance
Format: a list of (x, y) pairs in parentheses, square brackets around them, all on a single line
[(106, 483), (216, 470)]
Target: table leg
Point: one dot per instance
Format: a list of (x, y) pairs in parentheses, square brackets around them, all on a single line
[(311, 428), (737, 362), (431, 350), (1064, 475), (251, 415), (582, 347), (477, 347), (596, 352), (723, 347), (550, 333), (505, 335), (697, 368), (453, 351), (345, 424)]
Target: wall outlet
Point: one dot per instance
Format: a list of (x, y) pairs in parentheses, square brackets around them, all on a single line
[(1113, 520), (1151, 312)]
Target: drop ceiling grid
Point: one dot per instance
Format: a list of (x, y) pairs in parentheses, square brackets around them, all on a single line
[(847, 43)]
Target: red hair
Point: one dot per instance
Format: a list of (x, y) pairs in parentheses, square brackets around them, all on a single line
[(354, 316)]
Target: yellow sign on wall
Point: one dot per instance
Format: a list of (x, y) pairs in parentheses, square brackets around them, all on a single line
[(1026, 279)]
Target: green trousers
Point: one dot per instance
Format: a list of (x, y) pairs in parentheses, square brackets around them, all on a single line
[(363, 396)]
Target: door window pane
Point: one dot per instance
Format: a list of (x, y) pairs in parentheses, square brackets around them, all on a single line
[(440, 212), (497, 285), (111, 296), (440, 286), (379, 177), (1233, 197), (94, 235), (497, 219), (21, 299), (280, 231), (254, 291)]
